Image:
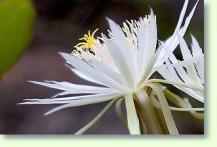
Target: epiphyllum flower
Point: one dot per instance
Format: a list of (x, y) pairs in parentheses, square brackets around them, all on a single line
[(122, 65)]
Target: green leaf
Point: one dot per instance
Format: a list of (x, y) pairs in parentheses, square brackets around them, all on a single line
[(16, 23)]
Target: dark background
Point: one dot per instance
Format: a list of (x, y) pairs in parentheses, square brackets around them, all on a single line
[(58, 27)]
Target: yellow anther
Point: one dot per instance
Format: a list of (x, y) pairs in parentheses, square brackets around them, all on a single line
[(88, 40)]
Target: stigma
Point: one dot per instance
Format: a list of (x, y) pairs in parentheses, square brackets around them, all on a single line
[(87, 41), (86, 49)]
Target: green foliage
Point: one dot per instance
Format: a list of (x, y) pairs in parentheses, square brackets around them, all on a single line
[(16, 22)]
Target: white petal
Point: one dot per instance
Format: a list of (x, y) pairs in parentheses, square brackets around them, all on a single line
[(180, 63), (147, 39), (184, 48), (132, 118), (69, 99), (165, 109), (186, 55), (70, 88), (120, 40), (92, 72), (181, 17), (72, 102), (64, 93), (174, 77), (84, 76), (197, 52), (149, 69), (81, 103), (172, 42), (120, 62), (108, 71), (180, 70)]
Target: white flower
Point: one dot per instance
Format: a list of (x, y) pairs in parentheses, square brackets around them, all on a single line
[(121, 64)]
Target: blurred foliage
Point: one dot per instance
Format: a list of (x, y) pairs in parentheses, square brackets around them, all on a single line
[(16, 21)]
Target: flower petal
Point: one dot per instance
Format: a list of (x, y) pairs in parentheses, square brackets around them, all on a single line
[(132, 118), (84, 76), (72, 102), (108, 71), (147, 40), (69, 99), (94, 73), (81, 103), (174, 77), (186, 55), (120, 40), (165, 109), (119, 61), (172, 42), (197, 52), (70, 88)]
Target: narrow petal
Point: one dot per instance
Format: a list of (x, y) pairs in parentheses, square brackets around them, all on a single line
[(70, 99), (96, 119), (197, 52), (132, 118), (186, 55), (182, 31), (120, 62), (147, 40), (120, 40), (81, 103), (94, 73), (84, 76), (71, 88), (165, 109), (181, 17), (196, 49), (172, 42), (174, 77), (108, 71)]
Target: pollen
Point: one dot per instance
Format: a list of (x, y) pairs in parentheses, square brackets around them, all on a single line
[(87, 41)]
